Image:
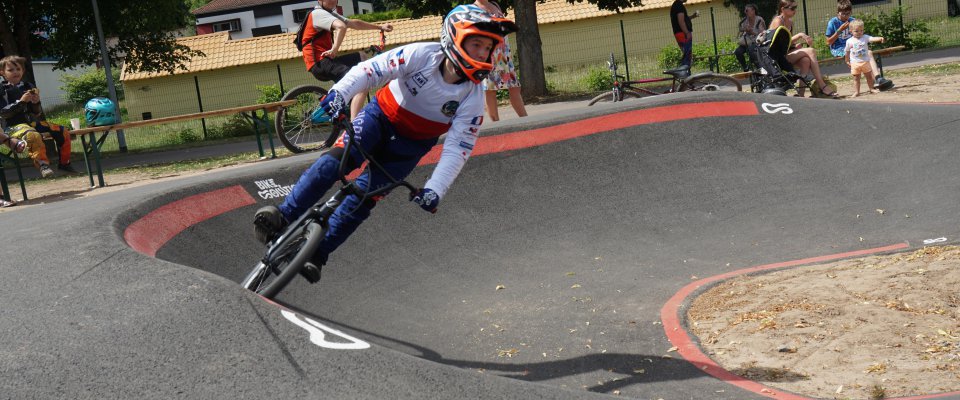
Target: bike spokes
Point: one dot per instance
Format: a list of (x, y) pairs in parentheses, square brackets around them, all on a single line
[(294, 126), (711, 83)]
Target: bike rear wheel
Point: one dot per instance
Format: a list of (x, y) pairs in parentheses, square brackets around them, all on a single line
[(294, 127), (609, 97), (708, 82), (270, 276)]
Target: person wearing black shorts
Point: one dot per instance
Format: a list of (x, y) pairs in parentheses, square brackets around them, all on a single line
[(322, 36)]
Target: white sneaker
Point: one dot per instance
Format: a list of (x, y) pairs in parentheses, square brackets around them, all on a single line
[(45, 171)]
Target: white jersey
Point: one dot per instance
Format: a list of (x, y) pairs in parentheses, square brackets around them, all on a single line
[(421, 105)]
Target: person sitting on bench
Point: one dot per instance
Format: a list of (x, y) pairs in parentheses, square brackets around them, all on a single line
[(838, 31), (20, 102)]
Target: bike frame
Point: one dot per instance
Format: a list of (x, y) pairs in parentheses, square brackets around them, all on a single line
[(620, 85), (322, 210), (631, 85)]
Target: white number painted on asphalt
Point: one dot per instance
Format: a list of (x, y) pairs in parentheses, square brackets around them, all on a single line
[(773, 108), (318, 337), (937, 240)]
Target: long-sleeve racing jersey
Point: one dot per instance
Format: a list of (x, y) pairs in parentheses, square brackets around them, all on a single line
[(421, 105)]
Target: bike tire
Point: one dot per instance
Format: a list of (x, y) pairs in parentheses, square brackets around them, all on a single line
[(294, 127), (608, 97), (269, 277), (709, 82)]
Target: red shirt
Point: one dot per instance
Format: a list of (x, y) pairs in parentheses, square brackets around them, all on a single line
[(319, 26)]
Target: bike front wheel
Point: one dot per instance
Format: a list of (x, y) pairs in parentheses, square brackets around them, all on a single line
[(286, 260), (609, 96), (294, 127), (708, 82)]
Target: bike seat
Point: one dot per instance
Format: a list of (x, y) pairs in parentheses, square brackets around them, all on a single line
[(680, 72)]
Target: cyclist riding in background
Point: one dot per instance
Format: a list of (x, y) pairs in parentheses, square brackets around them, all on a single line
[(431, 89), (323, 34)]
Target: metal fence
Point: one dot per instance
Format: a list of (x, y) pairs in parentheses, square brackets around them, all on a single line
[(643, 44)]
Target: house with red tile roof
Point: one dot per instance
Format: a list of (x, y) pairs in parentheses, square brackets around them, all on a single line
[(252, 18)]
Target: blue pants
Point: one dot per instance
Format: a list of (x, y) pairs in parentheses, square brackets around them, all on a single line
[(686, 48), (376, 135)]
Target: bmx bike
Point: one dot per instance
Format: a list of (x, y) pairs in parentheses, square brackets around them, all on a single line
[(296, 130), (680, 81), (288, 252)]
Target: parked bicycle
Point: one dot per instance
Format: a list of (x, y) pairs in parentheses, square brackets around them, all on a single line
[(294, 124), (287, 254), (680, 81)]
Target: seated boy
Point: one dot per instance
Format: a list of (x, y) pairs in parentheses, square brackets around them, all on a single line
[(838, 31), (23, 137), (20, 104)]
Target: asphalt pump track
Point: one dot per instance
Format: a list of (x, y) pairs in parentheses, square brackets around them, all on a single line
[(562, 258)]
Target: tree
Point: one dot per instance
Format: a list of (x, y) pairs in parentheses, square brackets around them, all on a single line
[(529, 47), (140, 32)]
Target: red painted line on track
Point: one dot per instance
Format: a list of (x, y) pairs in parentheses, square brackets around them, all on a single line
[(149, 233), (590, 126), (690, 351)]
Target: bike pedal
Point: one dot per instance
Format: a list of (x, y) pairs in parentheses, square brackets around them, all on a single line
[(310, 272)]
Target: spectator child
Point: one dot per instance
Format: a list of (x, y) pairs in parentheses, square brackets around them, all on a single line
[(838, 31), (838, 28), (24, 137), (856, 53), (504, 75), (20, 102)]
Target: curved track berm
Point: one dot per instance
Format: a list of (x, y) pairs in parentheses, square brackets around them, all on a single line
[(548, 262)]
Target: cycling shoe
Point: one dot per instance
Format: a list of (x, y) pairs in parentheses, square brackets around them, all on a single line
[(268, 223)]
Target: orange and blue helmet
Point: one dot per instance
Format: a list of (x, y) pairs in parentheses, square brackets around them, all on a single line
[(468, 20)]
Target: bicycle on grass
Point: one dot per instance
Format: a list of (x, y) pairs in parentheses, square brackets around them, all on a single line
[(287, 254), (680, 81), (296, 130)]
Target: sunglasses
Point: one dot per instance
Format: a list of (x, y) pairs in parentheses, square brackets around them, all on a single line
[(793, 7)]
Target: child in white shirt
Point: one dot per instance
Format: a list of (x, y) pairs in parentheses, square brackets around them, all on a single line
[(857, 57)]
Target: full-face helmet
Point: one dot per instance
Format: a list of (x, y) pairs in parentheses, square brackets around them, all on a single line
[(462, 22), (100, 111)]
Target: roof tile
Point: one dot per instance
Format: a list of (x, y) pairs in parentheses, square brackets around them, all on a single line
[(221, 52), (226, 5)]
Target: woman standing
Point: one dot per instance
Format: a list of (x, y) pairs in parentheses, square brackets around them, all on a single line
[(803, 58), (504, 75), (750, 27)]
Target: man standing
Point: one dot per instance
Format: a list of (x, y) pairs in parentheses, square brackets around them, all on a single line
[(323, 34), (683, 30)]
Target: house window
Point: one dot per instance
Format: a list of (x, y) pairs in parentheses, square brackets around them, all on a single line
[(232, 25), (300, 15)]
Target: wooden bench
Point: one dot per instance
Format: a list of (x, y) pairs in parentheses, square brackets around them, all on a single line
[(92, 139), (14, 159), (878, 54), (7, 154)]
